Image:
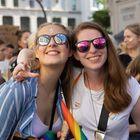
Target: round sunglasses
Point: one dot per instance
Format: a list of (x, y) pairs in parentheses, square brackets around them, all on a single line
[(59, 39), (84, 45)]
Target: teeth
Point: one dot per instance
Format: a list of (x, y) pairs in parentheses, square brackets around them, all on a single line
[(52, 52), (94, 58)]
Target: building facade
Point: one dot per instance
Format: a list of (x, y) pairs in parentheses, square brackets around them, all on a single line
[(27, 14), (123, 12)]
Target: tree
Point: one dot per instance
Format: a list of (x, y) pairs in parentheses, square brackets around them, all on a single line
[(42, 8), (102, 17)]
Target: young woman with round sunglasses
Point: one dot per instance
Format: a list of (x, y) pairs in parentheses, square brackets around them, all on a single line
[(28, 108), (102, 82)]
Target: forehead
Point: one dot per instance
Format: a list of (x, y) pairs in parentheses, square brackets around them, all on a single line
[(51, 30), (88, 34), (128, 32), (26, 34)]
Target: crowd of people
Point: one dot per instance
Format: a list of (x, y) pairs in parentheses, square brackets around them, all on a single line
[(99, 85), (9, 52)]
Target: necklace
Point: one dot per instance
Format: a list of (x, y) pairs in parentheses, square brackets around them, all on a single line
[(93, 107)]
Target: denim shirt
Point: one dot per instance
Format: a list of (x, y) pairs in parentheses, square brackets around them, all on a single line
[(18, 106)]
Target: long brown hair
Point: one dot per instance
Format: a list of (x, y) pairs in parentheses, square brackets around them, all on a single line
[(66, 79), (116, 97)]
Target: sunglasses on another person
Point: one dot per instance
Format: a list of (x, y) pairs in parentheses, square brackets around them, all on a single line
[(59, 39), (84, 46)]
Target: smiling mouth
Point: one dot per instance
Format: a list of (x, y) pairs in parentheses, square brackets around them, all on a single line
[(93, 58), (54, 52)]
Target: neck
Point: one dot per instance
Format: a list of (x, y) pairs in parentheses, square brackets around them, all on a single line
[(48, 78), (93, 80)]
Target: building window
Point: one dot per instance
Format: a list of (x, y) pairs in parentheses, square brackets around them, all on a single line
[(25, 23), (71, 23), (40, 20), (2, 2), (7, 20), (73, 5), (32, 3), (48, 4), (57, 20), (15, 3), (63, 4)]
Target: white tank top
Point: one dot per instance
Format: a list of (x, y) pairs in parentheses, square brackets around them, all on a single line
[(39, 128)]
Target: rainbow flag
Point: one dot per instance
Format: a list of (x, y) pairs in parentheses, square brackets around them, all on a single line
[(73, 125)]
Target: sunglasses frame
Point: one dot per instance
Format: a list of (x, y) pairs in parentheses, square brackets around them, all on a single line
[(52, 36), (89, 42)]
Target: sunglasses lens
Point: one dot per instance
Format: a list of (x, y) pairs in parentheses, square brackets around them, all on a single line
[(83, 46), (60, 38), (43, 40), (99, 43)]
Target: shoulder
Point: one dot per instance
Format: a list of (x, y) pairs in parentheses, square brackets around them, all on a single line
[(16, 90)]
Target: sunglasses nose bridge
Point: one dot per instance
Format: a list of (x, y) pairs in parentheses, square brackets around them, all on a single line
[(52, 42), (92, 47)]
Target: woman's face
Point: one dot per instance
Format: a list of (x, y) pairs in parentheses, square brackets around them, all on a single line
[(24, 39), (94, 58), (131, 39), (52, 46)]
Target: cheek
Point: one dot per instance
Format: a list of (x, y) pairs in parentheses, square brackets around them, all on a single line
[(78, 56)]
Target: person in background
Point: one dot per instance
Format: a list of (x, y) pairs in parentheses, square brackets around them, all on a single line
[(28, 108), (22, 42), (9, 51), (132, 39), (132, 44), (2, 80), (2, 49), (130, 47), (22, 39), (3, 65), (133, 69)]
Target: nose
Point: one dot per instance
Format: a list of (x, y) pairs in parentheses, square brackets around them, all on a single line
[(92, 48), (52, 43), (125, 39)]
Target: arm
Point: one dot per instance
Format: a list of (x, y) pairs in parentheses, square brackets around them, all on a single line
[(12, 99)]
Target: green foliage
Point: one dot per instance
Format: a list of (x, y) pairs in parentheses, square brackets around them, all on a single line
[(102, 17)]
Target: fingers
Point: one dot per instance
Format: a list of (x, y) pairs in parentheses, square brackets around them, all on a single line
[(18, 68), (31, 74), (22, 71), (64, 130)]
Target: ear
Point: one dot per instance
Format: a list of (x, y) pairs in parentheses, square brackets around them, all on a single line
[(76, 56)]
